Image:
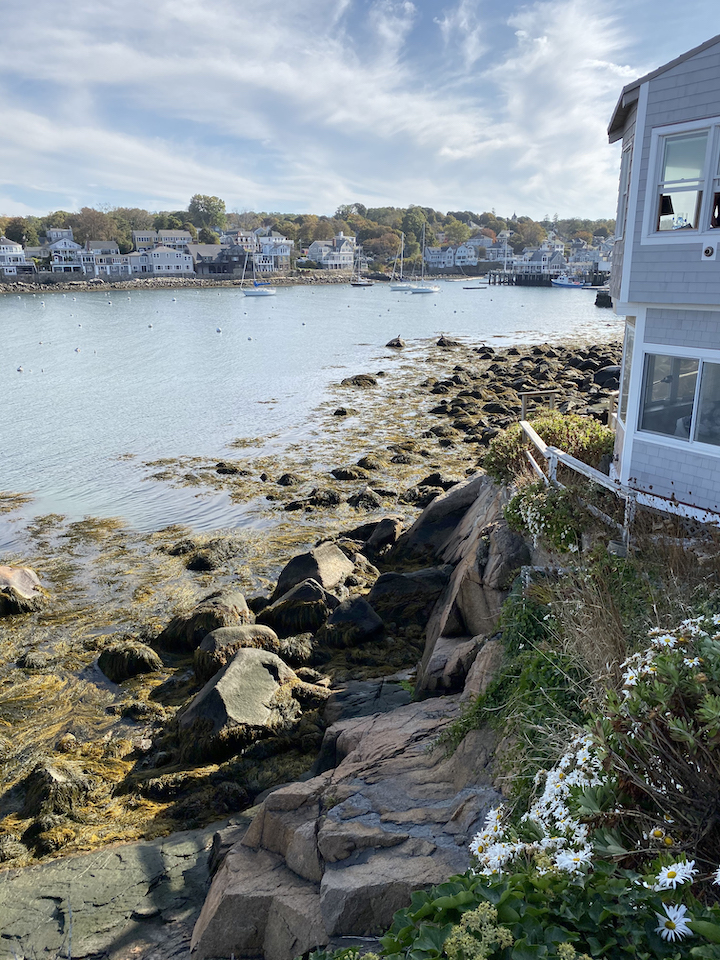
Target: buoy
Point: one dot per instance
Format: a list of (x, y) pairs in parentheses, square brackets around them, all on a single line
[(77, 349), (218, 330), (20, 370), (249, 338), (149, 326)]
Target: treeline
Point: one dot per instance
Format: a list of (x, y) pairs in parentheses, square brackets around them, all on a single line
[(377, 228)]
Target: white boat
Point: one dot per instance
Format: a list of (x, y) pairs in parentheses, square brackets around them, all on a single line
[(401, 283), (564, 281), (357, 280), (259, 288), (423, 287)]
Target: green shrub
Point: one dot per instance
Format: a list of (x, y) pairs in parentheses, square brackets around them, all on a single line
[(582, 437), (551, 515)]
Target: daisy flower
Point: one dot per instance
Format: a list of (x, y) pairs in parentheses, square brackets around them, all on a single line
[(674, 925), (675, 874)]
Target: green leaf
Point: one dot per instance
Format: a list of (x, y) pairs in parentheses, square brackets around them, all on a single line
[(703, 928), (451, 903), (528, 951)]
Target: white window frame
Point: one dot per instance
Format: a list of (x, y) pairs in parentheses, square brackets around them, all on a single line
[(626, 159), (652, 236), (667, 350)]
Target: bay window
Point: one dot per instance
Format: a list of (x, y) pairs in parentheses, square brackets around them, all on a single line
[(681, 398)]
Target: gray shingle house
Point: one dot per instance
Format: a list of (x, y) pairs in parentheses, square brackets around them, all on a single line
[(666, 282)]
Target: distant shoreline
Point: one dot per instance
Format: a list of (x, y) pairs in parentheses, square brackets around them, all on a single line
[(164, 283)]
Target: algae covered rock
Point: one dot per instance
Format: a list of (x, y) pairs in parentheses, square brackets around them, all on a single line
[(408, 598), (128, 658), (224, 608), (20, 591), (54, 788), (305, 607), (353, 622)]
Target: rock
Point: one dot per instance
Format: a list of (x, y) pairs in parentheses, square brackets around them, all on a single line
[(486, 665), (325, 564), (361, 698), (449, 663), (220, 646), (338, 854), (371, 462), (363, 380), (128, 658), (11, 849), (289, 480), (222, 609), (353, 622), (54, 788), (365, 499), (397, 343), (20, 591), (447, 342), (349, 473), (305, 607), (408, 598), (324, 497), (384, 536), (606, 374), (250, 698), (438, 480), (35, 660)]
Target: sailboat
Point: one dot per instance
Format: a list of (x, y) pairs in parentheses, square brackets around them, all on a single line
[(259, 288), (400, 283), (356, 279), (423, 287)]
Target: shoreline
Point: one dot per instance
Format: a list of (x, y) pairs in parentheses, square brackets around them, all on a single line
[(309, 278)]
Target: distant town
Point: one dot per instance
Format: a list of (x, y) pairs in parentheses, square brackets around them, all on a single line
[(206, 241)]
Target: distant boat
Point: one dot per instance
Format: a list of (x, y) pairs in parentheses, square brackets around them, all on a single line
[(259, 288), (401, 283), (564, 281), (356, 280), (423, 287)]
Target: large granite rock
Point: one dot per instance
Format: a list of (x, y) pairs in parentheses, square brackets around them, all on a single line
[(338, 854), (353, 622), (326, 564), (20, 591), (219, 647), (251, 697), (408, 598), (224, 608)]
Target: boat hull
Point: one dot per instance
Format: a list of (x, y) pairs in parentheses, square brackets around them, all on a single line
[(261, 292)]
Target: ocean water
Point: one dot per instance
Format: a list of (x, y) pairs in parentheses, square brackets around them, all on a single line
[(95, 383)]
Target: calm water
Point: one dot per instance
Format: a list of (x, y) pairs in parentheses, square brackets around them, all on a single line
[(110, 380)]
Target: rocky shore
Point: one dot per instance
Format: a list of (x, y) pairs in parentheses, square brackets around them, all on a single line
[(181, 677)]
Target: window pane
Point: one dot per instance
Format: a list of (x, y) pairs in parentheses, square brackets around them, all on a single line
[(627, 363), (679, 210), (707, 429), (668, 395), (684, 157)]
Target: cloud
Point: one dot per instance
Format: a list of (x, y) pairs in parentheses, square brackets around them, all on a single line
[(309, 106)]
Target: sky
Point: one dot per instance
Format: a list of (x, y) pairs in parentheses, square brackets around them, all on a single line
[(302, 106)]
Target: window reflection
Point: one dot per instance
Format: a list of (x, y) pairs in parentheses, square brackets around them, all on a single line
[(707, 428), (668, 395)]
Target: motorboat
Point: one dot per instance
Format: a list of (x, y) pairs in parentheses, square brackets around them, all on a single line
[(564, 281)]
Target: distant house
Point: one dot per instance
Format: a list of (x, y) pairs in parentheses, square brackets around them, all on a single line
[(665, 281), (12, 259), (335, 254), (144, 239), (212, 259), (165, 261), (466, 255), (543, 262), (174, 239), (439, 257)]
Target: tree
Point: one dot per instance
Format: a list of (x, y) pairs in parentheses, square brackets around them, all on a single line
[(412, 222), (207, 211), (190, 227), (19, 230), (91, 224), (206, 235), (456, 232)]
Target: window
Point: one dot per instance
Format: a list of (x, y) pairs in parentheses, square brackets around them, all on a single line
[(681, 181), (628, 347), (681, 398), (625, 163)]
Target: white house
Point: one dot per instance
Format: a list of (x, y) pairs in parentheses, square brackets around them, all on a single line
[(335, 254), (466, 255), (439, 257), (665, 281), (12, 258), (165, 261)]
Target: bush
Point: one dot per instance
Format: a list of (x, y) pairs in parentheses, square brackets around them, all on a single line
[(582, 437), (551, 515)]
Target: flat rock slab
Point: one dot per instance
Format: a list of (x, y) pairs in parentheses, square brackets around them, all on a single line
[(132, 900)]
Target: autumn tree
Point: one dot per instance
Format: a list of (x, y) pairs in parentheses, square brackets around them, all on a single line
[(206, 235), (456, 231), (21, 231)]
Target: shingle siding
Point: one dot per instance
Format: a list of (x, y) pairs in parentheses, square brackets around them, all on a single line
[(680, 474), (683, 328), (688, 91)]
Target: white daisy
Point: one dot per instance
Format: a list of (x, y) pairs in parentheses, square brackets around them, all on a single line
[(674, 925), (674, 874)]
